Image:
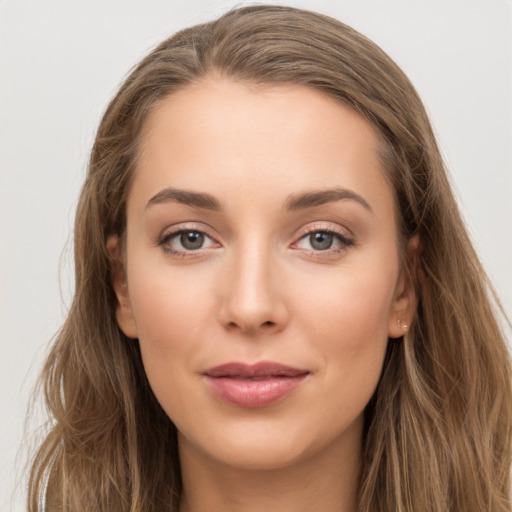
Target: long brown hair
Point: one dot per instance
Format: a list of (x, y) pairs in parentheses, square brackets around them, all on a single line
[(438, 429)]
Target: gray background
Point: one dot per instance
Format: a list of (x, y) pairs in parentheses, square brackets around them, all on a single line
[(62, 60)]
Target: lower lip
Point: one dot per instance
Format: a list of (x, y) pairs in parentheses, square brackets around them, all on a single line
[(254, 393)]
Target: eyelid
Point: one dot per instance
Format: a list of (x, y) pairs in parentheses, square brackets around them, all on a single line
[(327, 227), (343, 235), (174, 230)]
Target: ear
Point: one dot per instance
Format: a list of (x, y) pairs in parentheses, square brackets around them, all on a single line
[(405, 302), (124, 312)]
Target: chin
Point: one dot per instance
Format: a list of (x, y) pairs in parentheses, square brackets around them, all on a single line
[(258, 445), (266, 456)]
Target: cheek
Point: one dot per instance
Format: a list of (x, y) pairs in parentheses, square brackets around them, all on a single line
[(167, 309), (348, 324), (167, 303), (353, 304)]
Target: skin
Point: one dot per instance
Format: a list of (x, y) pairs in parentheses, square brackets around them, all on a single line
[(259, 289)]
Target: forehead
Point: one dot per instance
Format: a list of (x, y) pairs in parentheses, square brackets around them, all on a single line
[(220, 135)]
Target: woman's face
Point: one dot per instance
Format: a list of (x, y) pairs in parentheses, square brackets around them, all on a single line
[(262, 270)]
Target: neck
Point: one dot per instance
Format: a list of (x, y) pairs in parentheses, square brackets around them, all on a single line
[(326, 481)]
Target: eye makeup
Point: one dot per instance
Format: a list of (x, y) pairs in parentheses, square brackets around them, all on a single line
[(192, 240)]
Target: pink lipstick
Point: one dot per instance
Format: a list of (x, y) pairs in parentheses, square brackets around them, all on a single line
[(257, 385)]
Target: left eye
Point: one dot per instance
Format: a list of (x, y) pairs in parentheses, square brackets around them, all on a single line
[(322, 241), (187, 240)]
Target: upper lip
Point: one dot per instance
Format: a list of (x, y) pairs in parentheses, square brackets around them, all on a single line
[(261, 369)]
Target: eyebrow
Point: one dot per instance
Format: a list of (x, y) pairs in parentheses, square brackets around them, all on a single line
[(318, 198), (293, 203), (199, 200)]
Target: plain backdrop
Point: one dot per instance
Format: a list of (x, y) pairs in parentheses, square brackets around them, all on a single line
[(61, 61)]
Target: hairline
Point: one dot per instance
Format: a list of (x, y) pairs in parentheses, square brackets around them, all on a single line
[(383, 150)]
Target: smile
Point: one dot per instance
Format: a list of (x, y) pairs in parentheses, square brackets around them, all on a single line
[(256, 385)]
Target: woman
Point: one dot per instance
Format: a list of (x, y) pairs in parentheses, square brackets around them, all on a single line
[(277, 305)]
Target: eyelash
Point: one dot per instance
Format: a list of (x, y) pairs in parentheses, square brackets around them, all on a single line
[(166, 237), (340, 236)]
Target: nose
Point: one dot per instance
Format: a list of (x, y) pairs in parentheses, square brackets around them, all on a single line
[(253, 293)]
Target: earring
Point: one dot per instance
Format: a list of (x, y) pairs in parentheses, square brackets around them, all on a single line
[(402, 326)]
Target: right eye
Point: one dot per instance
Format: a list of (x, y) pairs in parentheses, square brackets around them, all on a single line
[(186, 240)]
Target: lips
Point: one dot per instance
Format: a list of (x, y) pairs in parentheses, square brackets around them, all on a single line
[(257, 385)]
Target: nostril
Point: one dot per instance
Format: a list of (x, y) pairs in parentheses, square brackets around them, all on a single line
[(267, 324)]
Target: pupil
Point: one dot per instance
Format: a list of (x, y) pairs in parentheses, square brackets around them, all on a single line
[(321, 241), (191, 240)]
